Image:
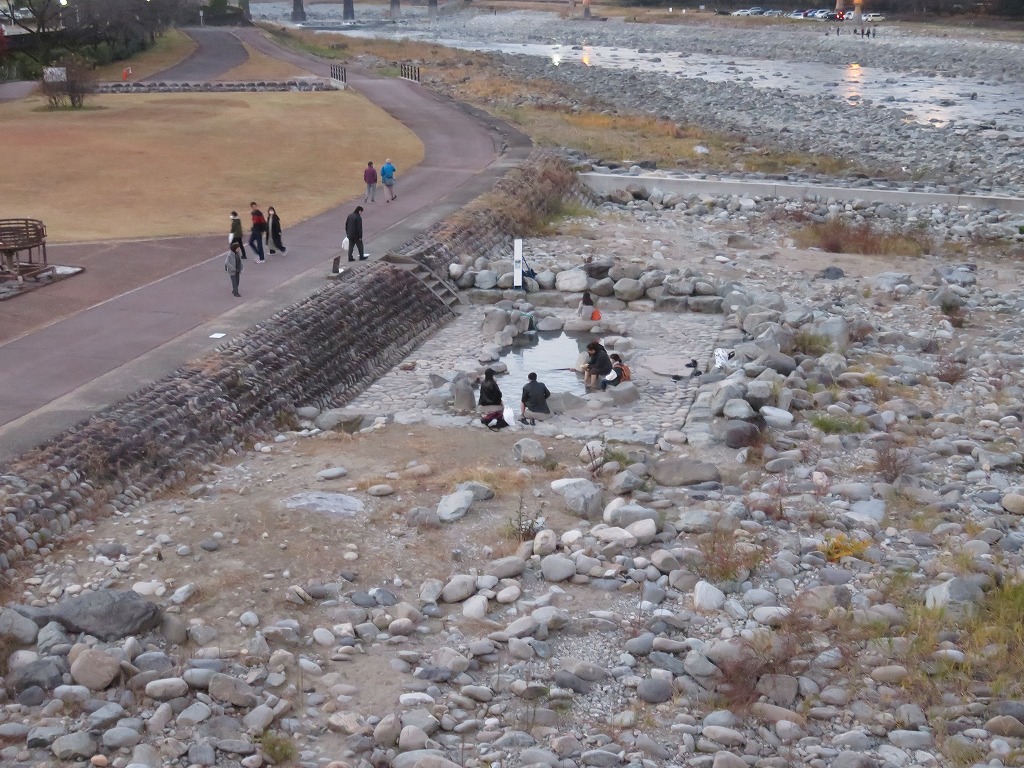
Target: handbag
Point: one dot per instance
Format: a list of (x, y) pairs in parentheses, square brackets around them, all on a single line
[(595, 315)]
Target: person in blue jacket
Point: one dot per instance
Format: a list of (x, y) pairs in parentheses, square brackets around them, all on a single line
[(387, 177)]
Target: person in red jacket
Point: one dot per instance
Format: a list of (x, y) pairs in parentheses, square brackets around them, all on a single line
[(258, 232), (370, 177)]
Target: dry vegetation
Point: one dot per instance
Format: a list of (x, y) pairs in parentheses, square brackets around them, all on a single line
[(839, 236), (192, 178)]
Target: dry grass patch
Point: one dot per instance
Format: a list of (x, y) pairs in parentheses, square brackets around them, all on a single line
[(624, 137), (170, 48), (843, 237), (259, 66), (128, 168)]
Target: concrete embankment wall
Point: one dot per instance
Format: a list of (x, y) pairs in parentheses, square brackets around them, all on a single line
[(323, 350)]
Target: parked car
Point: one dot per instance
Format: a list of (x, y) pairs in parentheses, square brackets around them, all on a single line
[(873, 17), (743, 12)]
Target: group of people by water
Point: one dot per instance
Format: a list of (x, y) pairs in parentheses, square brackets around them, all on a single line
[(600, 370)]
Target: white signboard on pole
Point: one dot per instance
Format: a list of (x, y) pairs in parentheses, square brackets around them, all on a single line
[(517, 263), (55, 75)]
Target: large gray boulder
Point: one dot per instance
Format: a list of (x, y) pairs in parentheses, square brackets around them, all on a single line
[(677, 472), (343, 420), (107, 614), (16, 627), (627, 289), (455, 505), (465, 398), (584, 498), (528, 451), (571, 281)]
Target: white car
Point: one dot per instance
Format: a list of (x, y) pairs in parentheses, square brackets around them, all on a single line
[(872, 17), (744, 12)]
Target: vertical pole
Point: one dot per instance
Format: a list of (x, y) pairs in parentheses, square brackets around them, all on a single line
[(586, 9), (396, 9), (517, 263), (431, 7), (348, 12), (298, 11)]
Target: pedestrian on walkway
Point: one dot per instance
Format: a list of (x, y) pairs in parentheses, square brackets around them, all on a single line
[(534, 402), (233, 266), (354, 238), (236, 232), (370, 177), (387, 177), (354, 233), (274, 231), (258, 232)]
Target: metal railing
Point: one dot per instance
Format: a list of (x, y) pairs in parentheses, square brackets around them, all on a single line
[(339, 77), (411, 72)]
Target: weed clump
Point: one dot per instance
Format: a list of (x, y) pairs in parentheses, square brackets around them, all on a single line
[(811, 343), (949, 370), (891, 462), (838, 425), (842, 237), (840, 546), (278, 749), (727, 558)]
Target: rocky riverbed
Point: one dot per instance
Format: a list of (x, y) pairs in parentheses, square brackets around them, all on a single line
[(813, 558), (939, 111)]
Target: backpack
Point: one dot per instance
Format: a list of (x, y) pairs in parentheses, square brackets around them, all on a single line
[(494, 420), (627, 375), (595, 315)]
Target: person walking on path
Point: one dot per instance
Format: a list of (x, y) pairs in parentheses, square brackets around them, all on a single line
[(534, 402), (274, 231), (236, 233), (387, 177), (354, 235), (370, 177), (258, 232), (233, 266)]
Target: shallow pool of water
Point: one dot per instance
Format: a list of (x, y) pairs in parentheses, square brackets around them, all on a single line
[(547, 354)]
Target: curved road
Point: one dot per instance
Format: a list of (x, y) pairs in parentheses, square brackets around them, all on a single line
[(217, 51), (110, 340)]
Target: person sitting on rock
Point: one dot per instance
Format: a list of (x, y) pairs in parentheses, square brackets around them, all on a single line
[(586, 306), (490, 392), (534, 403), (600, 364)]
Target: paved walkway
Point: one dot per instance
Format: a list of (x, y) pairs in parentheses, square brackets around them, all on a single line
[(54, 376), (217, 52)]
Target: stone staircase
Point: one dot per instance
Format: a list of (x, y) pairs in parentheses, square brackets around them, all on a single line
[(445, 291)]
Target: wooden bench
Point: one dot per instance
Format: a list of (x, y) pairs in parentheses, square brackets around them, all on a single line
[(22, 249)]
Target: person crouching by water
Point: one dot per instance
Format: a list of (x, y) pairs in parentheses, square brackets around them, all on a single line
[(490, 392), (534, 403), (617, 374), (599, 365)]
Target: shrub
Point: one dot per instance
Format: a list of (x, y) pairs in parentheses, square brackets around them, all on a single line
[(76, 85), (726, 558), (891, 462), (840, 546), (811, 343), (949, 370), (278, 749), (842, 237), (838, 425)]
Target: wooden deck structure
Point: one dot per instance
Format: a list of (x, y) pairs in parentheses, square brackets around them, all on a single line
[(23, 250)]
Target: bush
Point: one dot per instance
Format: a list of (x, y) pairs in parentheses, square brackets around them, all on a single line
[(278, 749), (840, 546), (811, 343), (891, 462), (949, 370), (838, 425), (841, 237), (727, 558), (76, 85)]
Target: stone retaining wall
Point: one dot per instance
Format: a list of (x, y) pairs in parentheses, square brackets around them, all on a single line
[(322, 350), (204, 87)]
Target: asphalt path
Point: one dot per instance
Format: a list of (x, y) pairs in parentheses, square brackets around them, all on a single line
[(95, 351), (217, 51)]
